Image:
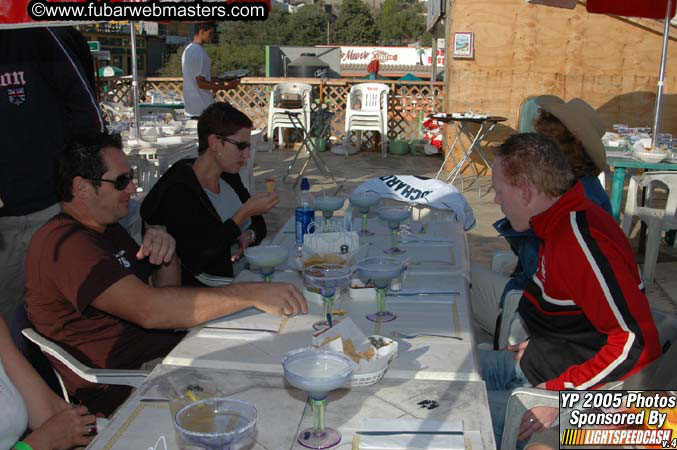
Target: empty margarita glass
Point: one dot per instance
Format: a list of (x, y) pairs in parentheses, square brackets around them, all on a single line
[(328, 205), (363, 201), (327, 278), (216, 423), (380, 271), (317, 372), (266, 257), (394, 215)]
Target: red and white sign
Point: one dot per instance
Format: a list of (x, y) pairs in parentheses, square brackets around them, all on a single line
[(408, 56)]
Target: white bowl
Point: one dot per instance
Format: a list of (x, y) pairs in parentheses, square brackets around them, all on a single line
[(652, 157)]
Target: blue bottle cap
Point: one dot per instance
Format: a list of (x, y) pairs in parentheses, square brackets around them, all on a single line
[(305, 185)]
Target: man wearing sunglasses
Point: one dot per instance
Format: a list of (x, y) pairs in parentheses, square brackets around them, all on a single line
[(114, 304)]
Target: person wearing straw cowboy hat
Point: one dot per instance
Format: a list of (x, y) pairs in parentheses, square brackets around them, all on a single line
[(577, 128)]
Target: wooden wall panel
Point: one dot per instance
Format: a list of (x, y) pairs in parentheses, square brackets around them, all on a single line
[(523, 49)]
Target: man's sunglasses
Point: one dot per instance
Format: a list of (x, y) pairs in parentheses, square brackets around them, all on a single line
[(241, 145), (121, 182)]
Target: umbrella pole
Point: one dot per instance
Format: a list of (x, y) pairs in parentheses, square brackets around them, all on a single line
[(661, 78), (135, 80)]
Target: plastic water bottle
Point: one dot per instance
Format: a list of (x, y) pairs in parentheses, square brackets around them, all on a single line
[(305, 212)]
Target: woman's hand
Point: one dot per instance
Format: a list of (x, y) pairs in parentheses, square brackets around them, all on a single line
[(69, 428), (536, 419), (260, 203), (243, 240)]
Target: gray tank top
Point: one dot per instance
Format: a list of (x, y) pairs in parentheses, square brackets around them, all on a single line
[(13, 414)]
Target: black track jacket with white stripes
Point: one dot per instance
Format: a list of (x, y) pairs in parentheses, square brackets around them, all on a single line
[(587, 316), (45, 98)]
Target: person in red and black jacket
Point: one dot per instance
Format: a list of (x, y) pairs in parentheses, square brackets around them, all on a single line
[(46, 96), (588, 320)]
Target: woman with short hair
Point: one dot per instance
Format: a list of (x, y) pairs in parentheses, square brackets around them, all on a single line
[(204, 204)]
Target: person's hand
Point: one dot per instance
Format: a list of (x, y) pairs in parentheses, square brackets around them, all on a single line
[(279, 299), (536, 419), (518, 349), (243, 240), (260, 203), (69, 428), (157, 245)]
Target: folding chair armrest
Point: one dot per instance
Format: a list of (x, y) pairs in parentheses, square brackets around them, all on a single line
[(103, 376), (520, 401), (502, 259), (510, 304)]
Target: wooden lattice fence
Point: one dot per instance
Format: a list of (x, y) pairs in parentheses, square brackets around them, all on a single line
[(409, 102)]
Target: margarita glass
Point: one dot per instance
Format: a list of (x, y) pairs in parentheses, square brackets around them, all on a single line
[(327, 278), (394, 215), (216, 423), (380, 271), (328, 205), (266, 257), (363, 201), (317, 372)]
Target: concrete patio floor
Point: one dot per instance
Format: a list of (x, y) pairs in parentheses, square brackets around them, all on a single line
[(483, 240)]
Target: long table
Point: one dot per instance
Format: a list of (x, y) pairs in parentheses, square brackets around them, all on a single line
[(218, 346), (242, 354), (284, 411)]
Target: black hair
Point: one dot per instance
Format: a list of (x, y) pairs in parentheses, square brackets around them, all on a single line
[(222, 119), (202, 26), (81, 156)]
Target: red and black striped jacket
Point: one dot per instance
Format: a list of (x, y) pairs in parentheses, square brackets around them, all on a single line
[(587, 316)]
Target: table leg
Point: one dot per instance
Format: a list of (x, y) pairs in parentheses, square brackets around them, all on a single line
[(617, 192), (450, 153), (474, 144), (457, 169)]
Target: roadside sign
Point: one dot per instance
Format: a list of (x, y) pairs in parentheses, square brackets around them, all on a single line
[(94, 46)]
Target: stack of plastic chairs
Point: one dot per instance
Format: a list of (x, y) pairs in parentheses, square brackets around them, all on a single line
[(288, 97), (367, 109)]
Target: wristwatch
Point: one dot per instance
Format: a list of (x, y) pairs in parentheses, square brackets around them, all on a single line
[(252, 236)]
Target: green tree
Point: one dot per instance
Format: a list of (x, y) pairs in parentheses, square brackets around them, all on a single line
[(400, 22), (308, 26), (172, 68), (355, 25)]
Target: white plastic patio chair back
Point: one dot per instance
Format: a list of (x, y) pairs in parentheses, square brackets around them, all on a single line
[(247, 171), (659, 375), (658, 219), (283, 98), (145, 171), (367, 110), (132, 378)]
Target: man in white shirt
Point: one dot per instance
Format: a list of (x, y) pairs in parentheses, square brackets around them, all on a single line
[(197, 66)]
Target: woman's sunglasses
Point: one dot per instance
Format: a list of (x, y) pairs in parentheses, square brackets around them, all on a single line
[(241, 145), (121, 182)]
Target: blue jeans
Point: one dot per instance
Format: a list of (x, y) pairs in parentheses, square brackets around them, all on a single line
[(502, 374)]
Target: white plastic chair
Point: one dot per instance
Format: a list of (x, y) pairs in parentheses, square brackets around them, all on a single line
[(247, 171), (134, 378), (367, 109), (277, 112), (658, 219), (116, 112), (658, 375)]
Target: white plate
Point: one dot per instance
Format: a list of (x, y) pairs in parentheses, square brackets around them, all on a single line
[(652, 157)]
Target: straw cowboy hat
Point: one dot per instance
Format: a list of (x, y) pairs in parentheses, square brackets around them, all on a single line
[(584, 123)]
